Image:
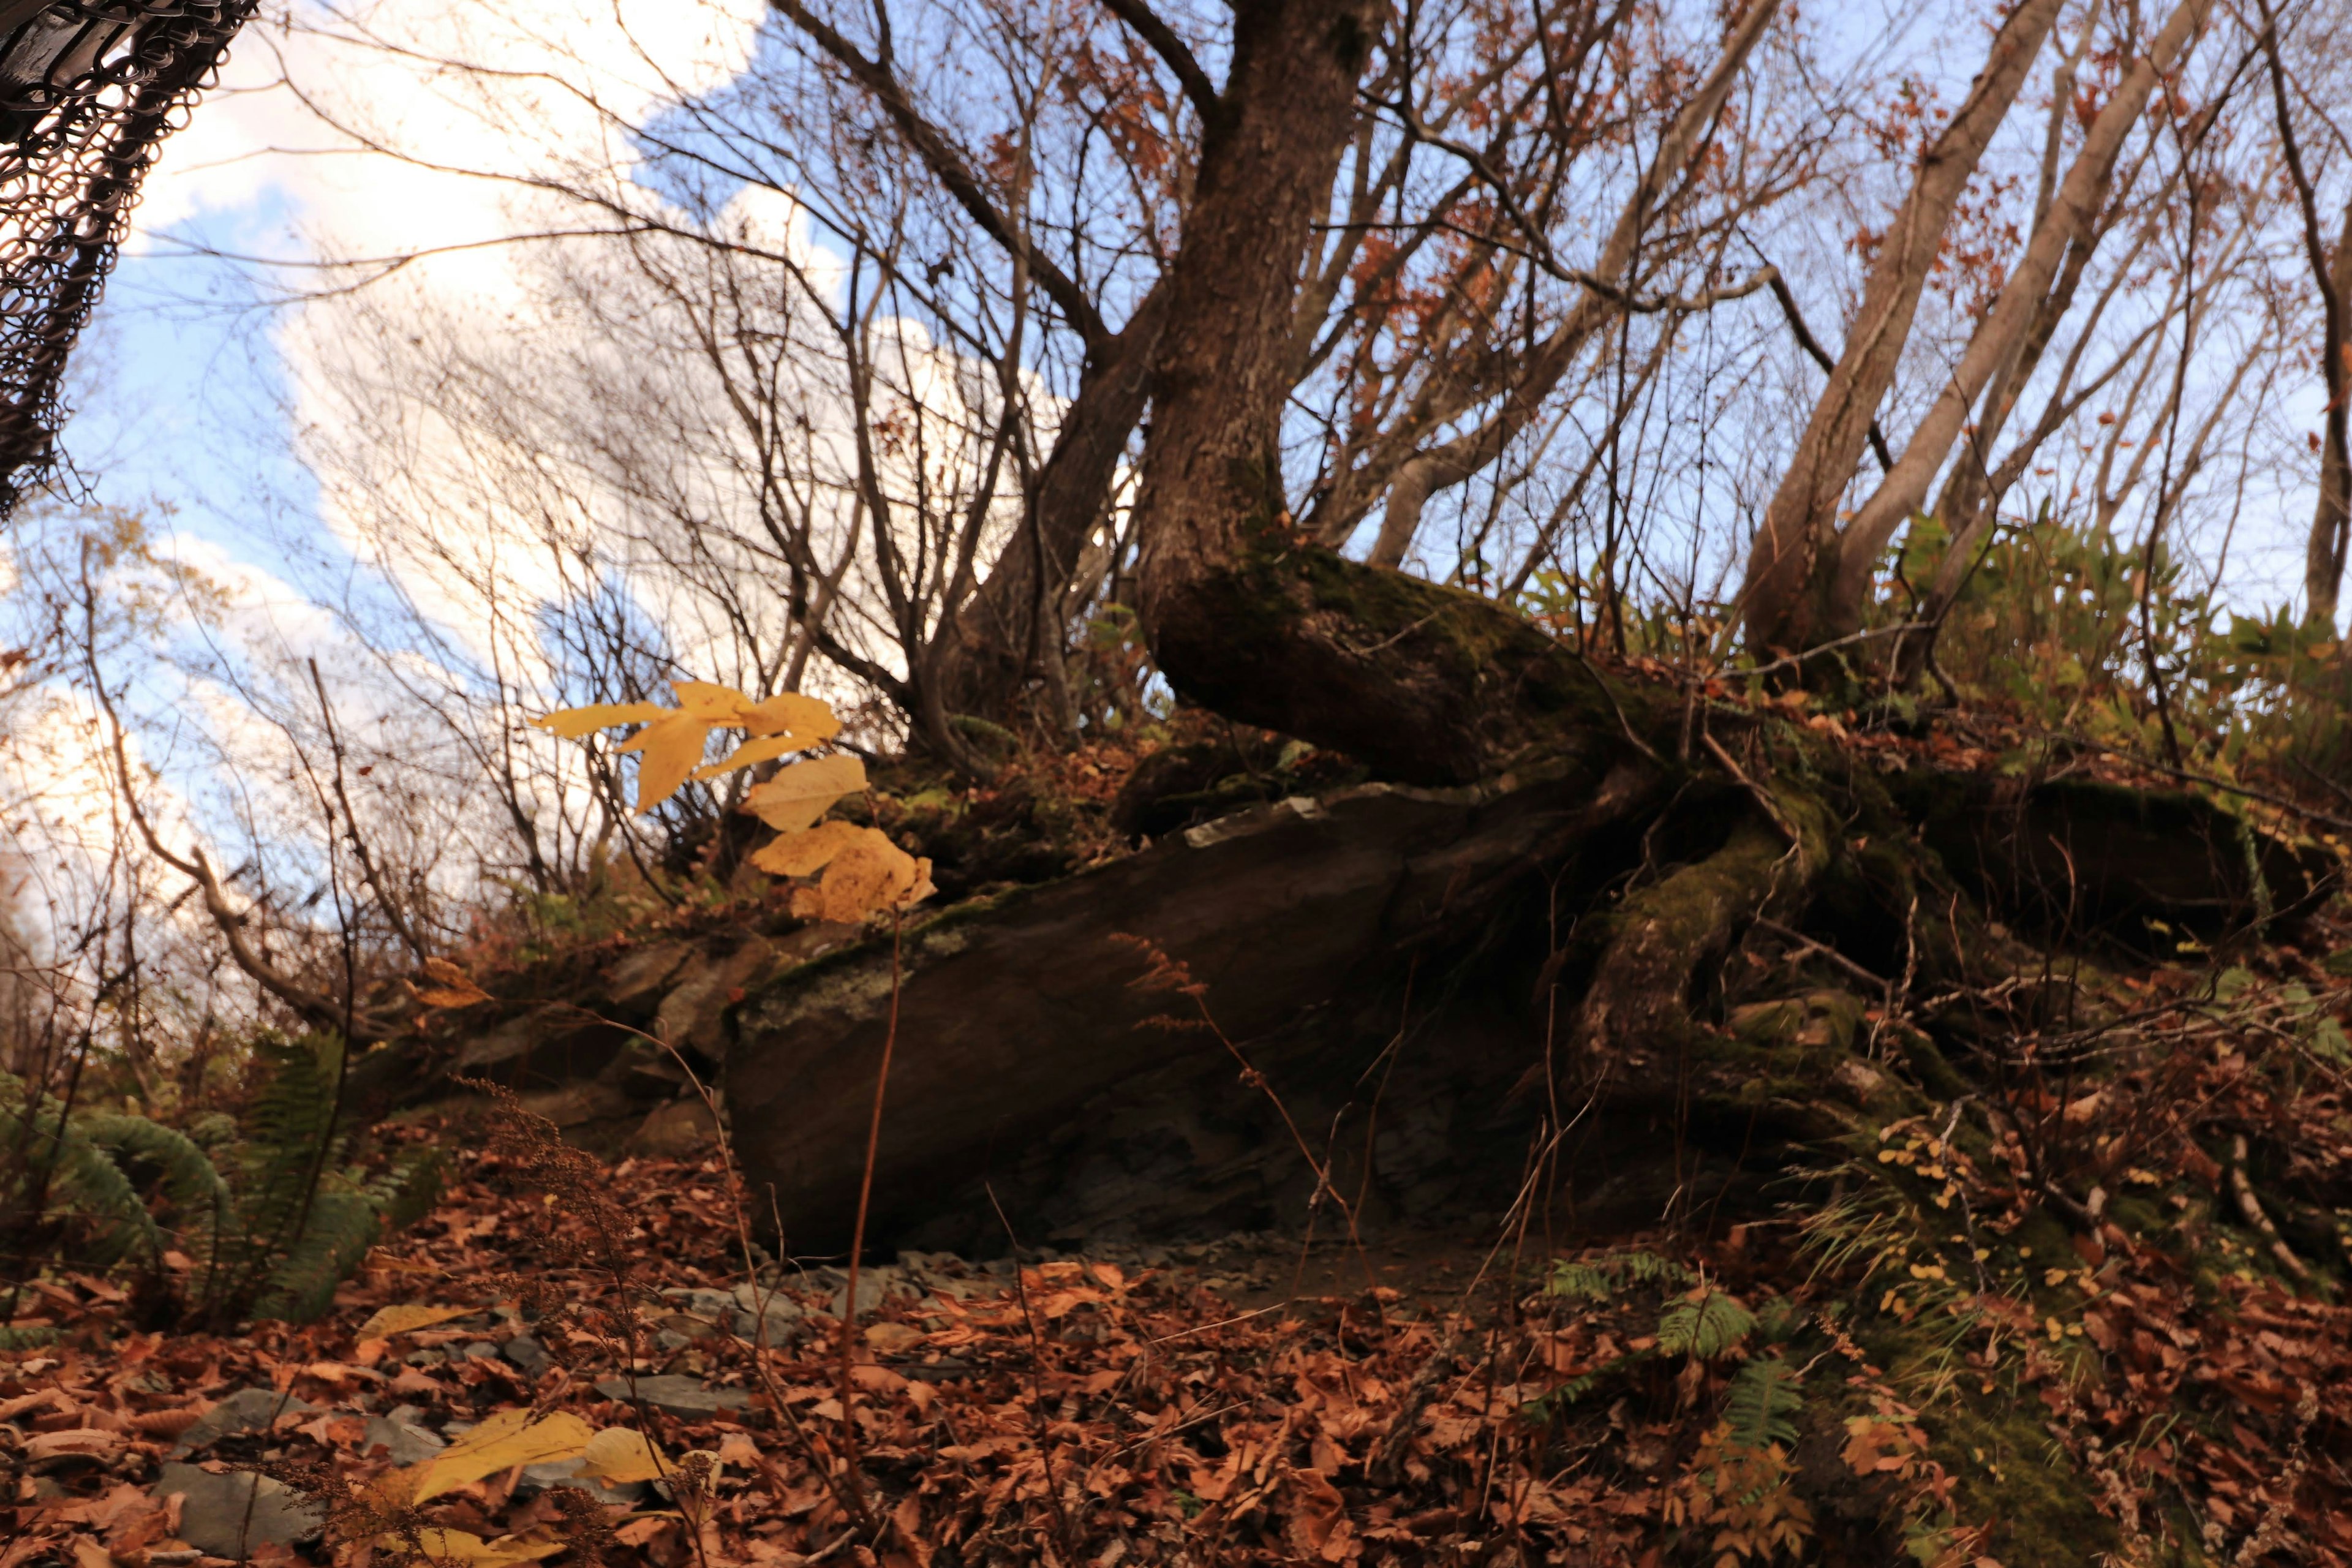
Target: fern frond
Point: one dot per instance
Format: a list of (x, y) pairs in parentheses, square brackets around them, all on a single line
[(342, 1225), (1704, 1326), (1764, 1396), (1598, 1279), (53, 1157), (407, 1193), (185, 1176)]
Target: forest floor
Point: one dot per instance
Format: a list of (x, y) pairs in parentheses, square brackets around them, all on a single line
[(2085, 1306), (1188, 1405)]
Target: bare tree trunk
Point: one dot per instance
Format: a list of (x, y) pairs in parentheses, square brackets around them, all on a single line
[(1404, 479), (997, 642), (1794, 557), (2071, 221), (2331, 523)]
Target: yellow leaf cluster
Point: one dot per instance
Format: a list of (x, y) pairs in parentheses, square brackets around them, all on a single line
[(671, 742), (858, 872), (512, 1437)]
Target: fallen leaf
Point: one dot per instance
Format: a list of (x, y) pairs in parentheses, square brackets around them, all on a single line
[(506, 1439), (619, 1453), (72, 1440), (408, 1317), (463, 1546)]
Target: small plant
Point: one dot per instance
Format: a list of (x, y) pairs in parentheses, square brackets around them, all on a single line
[(1598, 1279), (1703, 1325), (266, 1223), (856, 873)]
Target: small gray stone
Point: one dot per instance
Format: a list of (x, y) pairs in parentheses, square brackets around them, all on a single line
[(784, 1319), (228, 1515), (246, 1410), (481, 1350), (527, 1353), (398, 1433), (681, 1396), (537, 1478)]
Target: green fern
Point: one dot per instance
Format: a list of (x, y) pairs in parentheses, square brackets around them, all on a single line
[(1763, 1397), (1598, 1279), (51, 1160), (1704, 1326), (259, 1205)]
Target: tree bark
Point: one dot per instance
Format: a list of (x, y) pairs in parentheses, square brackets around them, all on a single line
[(1791, 566), (2331, 521)]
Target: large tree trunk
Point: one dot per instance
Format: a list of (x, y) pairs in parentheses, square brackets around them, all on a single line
[(1792, 565), (1009, 633)]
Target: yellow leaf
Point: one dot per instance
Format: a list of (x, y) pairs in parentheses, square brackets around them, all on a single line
[(797, 795), (619, 1453), (709, 702), (573, 722), (766, 748), (463, 1546), (408, 1317), (865, 878), (672, 745), (805, 854), (808, 719), (506, 1439)]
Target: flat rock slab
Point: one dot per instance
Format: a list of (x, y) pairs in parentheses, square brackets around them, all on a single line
[(399, 1434), (681, 1396), (229, 1515), (246, 1410)]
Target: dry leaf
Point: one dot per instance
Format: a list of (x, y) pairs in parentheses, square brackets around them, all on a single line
[(620, 1454), (456, 987), (89, 1440), (408, 1317), (506, 1439), (806, 854), (797, 795), (463, 1546)]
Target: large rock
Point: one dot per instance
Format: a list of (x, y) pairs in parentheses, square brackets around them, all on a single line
[(1017, 1021), (229, 1515), (246, 1410), (683, 1397)]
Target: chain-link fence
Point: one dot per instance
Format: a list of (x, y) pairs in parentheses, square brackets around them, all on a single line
[(89, 90)]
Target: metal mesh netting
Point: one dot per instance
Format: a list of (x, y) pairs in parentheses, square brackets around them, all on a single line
[(89, 90)]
